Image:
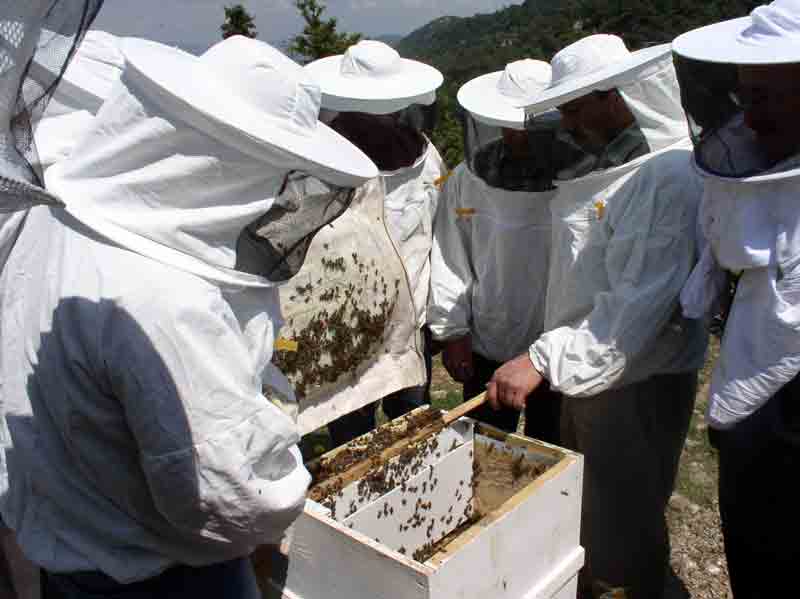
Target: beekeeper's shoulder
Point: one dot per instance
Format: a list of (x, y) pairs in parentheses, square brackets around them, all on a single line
[(671, 168)]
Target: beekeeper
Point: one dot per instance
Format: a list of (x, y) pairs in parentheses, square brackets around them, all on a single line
[(138, 324), (385, 104), (31, 33), (616, 344), (748, 151), (491, 245)]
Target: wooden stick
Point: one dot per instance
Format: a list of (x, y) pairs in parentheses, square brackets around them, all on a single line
[(464, 409), (357, 471)]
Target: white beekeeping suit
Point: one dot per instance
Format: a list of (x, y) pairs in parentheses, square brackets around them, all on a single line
[(739, 89), (23, 40), (383, 104), (138, 321), (749, 214), (491, 249), (623, 237)]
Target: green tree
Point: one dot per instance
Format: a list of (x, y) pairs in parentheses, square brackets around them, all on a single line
[(320, 37), (238, 22)]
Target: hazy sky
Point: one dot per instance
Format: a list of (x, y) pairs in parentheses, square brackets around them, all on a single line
[(195, 23)]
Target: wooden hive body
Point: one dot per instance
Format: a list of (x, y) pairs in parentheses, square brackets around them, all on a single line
[(485, 514)]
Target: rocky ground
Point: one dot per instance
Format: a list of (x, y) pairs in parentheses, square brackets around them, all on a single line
[(697, 552)]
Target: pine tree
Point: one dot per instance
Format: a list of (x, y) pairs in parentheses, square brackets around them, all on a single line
[(320, 37), (238, 22)]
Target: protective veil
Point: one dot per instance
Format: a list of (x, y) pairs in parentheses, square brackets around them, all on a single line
[(492, 232), (151, 296), (623, 237), (748, 215)]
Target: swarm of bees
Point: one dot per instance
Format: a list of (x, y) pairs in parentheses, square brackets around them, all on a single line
[(337, 340), (384, 476)]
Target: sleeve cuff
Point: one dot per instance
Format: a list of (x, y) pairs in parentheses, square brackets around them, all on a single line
[(539, 360), (441, 333)]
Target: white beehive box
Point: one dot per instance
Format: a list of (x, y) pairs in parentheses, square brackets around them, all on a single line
[(501, 511)]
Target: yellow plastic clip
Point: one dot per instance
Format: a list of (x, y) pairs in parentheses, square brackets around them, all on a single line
[(600, 208), (465, 212), (441, 180), (283, 344)]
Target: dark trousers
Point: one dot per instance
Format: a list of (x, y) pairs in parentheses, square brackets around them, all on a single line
[(228, 580), (631, 440), (759, 496), (346, 428), (542, 411)]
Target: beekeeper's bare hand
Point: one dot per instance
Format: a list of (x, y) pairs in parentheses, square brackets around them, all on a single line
[(512, 383), (457, 358)]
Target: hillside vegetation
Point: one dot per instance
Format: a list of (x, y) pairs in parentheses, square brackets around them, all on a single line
[(463, 48)]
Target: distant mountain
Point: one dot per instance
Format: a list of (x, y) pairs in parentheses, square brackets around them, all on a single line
[(463, 48), (391, 39), (466, 47)]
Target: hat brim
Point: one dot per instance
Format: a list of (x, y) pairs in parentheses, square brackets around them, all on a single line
[(481, 98), (610, 77), (413, 84), (322, 153), (722, 43)]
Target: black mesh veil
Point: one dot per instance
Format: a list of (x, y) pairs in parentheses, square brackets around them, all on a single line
[(37, 40), (717, 106), (525, 158), (392, 141), (275, 245)]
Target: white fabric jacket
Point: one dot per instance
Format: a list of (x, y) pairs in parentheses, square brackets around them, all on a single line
[(410, 205), (753, 229), (132, 383), (623, 246), (491, 251), (624, 243)]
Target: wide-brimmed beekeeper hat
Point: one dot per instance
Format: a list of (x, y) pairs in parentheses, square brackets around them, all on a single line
[(372, 77), (769, 35), (494, 98), (599, 62), (258, 99)]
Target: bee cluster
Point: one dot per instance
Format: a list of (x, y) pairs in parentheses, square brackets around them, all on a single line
[(411, 473), (405, 493), (382, 476), (343, 335)]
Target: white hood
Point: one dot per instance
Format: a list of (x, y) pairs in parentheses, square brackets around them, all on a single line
[(97, 65), (148, 181)]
